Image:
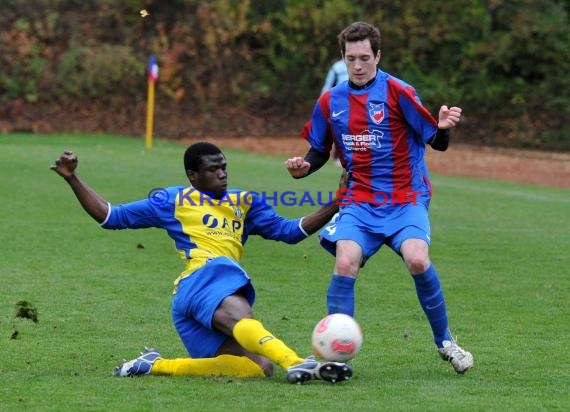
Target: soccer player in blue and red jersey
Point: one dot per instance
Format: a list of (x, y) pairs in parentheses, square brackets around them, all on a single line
[(213, 296), (381, 130)]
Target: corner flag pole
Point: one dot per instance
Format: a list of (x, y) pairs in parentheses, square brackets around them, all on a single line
[(152, 77)]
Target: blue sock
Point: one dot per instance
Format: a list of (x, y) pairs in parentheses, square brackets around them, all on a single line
[(431, 299), (340, 295)]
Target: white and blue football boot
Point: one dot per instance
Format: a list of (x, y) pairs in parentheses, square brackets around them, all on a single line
[(139, 366)]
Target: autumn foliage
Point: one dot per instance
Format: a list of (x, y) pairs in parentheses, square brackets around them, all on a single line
[(247, 67)]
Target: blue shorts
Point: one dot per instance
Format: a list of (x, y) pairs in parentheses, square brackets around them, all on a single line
[(371, 227), (197, 298)]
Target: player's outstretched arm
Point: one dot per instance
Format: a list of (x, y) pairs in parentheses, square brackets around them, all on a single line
[(313, 222), (94, 205)]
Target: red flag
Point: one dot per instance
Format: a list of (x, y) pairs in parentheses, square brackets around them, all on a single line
[(152, 69)]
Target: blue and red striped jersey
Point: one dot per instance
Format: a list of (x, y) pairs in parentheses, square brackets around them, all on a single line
[(380, 131)]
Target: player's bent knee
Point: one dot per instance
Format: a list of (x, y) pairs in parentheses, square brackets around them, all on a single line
[(417, 264), (346, 266)]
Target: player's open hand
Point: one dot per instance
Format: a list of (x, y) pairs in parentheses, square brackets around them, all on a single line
[(448, 117), (297, 166), (66, 164)]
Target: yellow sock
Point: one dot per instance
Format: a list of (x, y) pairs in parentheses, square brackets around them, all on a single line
[(223, 365), (251, 334)]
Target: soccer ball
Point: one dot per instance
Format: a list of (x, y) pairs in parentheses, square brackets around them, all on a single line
[(337, 338)]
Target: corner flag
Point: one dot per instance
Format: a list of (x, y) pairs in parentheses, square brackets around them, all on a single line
[(152, 77)]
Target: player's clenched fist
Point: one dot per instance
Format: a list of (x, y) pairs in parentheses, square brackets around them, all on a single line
[(66, 164), (448, 117), (297, 166)]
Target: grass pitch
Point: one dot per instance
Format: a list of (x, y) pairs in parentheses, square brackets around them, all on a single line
[(99, 296)]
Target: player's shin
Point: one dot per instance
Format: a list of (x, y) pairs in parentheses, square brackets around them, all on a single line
[(252, 335), (431, 298), (340, 295)]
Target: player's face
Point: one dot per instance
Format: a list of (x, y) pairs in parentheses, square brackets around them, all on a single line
[(212, 177), (360, 61)]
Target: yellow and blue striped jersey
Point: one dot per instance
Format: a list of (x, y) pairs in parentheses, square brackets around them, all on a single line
[(203, 227)]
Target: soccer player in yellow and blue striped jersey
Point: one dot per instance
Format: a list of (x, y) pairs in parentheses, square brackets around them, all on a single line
[(213, 296)]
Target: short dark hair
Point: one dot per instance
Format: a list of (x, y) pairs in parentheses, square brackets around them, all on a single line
[(194, 153), (357, 31)]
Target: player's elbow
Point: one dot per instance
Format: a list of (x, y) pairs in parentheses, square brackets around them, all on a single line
[(439, 147)]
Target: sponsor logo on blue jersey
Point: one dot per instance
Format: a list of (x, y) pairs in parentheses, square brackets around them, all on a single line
[(368, 139)]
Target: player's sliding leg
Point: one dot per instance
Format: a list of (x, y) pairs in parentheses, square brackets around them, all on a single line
[(151, 363), (234, 317), (253, 336), (430, 295), (223, 365)]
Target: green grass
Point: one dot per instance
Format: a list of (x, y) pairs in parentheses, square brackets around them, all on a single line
[(502, 251)]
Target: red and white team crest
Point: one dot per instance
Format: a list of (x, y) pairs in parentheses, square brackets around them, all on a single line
[(376, 112)]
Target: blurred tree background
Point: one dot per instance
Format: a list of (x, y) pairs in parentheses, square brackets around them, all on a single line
[(250, 67)]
